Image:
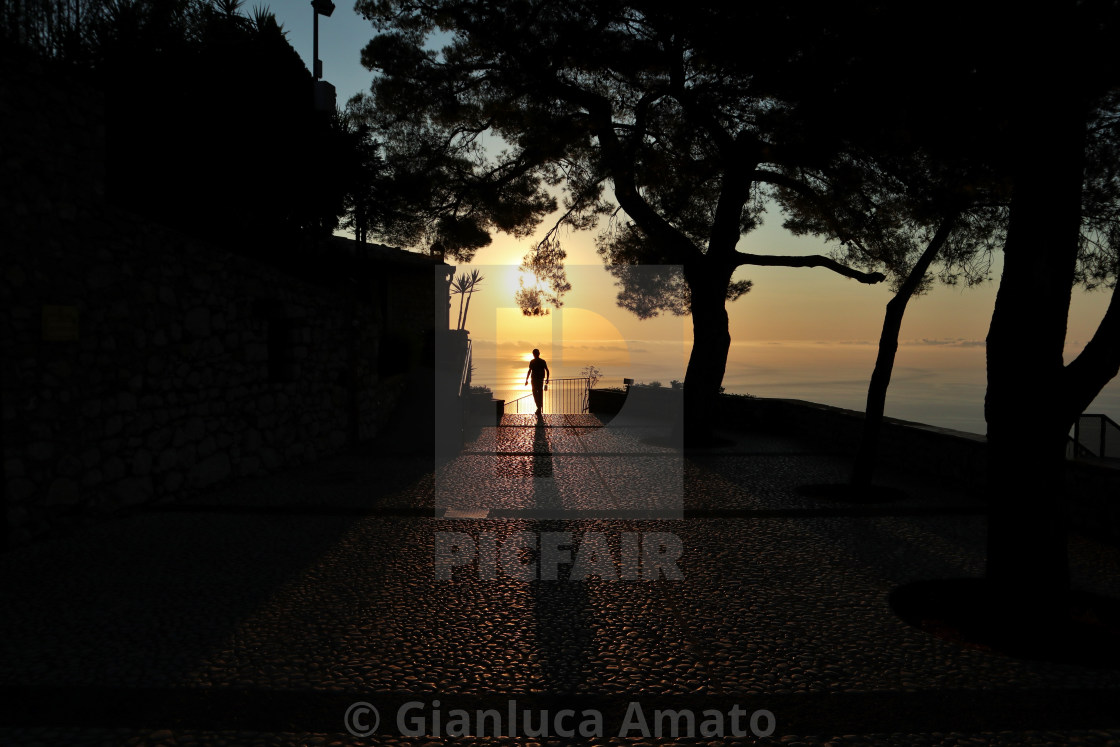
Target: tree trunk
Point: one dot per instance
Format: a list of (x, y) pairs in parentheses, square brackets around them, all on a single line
[(711, 340), (1027, 426), (863, 471), (466, 310)]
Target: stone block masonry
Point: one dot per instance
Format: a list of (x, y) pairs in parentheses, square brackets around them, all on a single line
[(141, 365)]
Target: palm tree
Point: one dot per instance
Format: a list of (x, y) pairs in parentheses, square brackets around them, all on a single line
[(459, 286), (264, 19), (228, 8), (464, 286), (475, 279)]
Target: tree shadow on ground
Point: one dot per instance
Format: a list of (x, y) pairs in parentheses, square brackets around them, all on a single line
[(966, 611)]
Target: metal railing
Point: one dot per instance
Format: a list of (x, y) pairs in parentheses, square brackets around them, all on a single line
[(1075, 450), (1096, 436), (465, 379), (568, 396)]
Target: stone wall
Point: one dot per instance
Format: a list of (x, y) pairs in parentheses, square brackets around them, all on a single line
[(937, 455), (139, 364)]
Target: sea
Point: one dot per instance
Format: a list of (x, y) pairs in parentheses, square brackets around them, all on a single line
[(939, 383)]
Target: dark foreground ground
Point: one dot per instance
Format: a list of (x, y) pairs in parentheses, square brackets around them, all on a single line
[(262, 613)]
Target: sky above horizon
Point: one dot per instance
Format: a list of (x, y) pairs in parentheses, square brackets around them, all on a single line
[(785, 303), (341, 39), (813, 316)]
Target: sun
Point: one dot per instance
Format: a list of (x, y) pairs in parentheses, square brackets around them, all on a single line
[(521, 279)]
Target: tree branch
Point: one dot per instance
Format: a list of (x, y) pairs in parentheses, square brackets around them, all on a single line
[(621, 172), (735, 190), (811, 260), (722, 138), (921, 267), (782, 180), (577, 206), (1096, 365)]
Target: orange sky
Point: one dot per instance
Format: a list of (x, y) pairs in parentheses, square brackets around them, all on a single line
[(805, 333), (814, 304)]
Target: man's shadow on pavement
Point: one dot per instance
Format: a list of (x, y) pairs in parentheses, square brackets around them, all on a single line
[(561, 607)]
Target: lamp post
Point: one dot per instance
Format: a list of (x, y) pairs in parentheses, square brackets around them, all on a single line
[(319, 8), (323, 91)]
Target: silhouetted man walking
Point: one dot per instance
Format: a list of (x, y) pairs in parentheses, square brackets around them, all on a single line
[(538, 369)]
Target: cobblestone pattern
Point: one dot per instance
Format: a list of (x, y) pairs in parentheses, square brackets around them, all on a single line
[(286, 589)]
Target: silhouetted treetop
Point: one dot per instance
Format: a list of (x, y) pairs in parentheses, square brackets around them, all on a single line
[(576, 98), (581, 95), (211, 125)]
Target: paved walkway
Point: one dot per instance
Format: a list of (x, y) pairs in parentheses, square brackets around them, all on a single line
[(261, 613)]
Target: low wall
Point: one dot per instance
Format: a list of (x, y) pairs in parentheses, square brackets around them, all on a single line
[(941, 456), (944, 455), (605, 401)]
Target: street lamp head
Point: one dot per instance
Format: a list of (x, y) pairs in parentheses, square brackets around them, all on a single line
[(323, 7)]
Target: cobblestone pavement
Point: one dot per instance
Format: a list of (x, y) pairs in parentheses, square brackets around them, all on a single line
[(261, 613)]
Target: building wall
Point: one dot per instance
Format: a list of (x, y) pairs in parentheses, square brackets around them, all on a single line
[(139, 364)]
